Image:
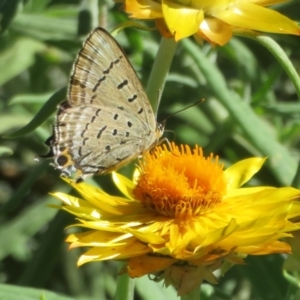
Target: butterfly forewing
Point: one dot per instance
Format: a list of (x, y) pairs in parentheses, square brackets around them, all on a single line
[(107, 119), (103, 75)]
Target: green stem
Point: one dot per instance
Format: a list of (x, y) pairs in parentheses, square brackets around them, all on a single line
[(279, 54), (193, 295), (88, 16), (296, 179), (125, 288), (160, 71)]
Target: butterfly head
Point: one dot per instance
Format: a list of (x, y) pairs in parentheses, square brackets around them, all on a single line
[(160, 127)]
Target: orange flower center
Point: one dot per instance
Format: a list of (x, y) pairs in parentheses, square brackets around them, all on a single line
[(180, 182)]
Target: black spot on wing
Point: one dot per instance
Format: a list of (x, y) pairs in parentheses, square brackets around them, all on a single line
[(98, 83), (112, 65), (80, 151), (101, 131), (85, 129), (122, 84), (132, 98)]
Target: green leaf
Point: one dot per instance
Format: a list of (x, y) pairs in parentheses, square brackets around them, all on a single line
[(16, 232), (18, 57), (10, 121), (46, 27), (36, 5), (47, 110), (8, 10), (24, 188), (14, 292), (30, 98), (5, 151)]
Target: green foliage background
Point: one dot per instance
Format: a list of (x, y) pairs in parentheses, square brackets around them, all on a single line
[(251, 108)]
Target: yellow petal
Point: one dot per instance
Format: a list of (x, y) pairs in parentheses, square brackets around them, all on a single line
[(251, 16), (124, 184), (98, 239), (242, 171), (181, 21), (267, 248), (104, 253), (267, 2), (142, 265), (163, 28), (247, 191), (143, 9), (294, 210), (216, 31), (147, 237)]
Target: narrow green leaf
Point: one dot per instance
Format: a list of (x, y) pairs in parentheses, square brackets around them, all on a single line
[(280, 161), (47, 110), (30, 98), (279, 54), (5, 151), (8, 9), (11, 121), (36, 5), (14, 292), (18, 57), (23, 188), (50, 247), (17, 231), (45, 27)]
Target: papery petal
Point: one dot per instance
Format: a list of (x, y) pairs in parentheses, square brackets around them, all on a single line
[(255, 17), (152, 238), (142, 265), (104, 253), (267, 2), (181, 21), (124, 184), (143, 9), (163, 28), (97, 239), (268, 248), (242, 171), (215, 31)]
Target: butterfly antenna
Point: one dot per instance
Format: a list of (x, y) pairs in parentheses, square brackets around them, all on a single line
[(183, 109)]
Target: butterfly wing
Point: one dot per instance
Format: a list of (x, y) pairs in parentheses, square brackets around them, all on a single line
[(107, 119), (103, 75)]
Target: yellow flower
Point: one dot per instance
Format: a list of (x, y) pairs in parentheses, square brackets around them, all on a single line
[(183, 217), (212, 20)]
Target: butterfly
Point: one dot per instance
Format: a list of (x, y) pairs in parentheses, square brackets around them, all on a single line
[(106, 120)]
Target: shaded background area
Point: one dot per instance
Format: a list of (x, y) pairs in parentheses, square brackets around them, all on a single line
[(38, 44)]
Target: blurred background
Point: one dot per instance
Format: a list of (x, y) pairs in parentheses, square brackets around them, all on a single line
[(38, 44)]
